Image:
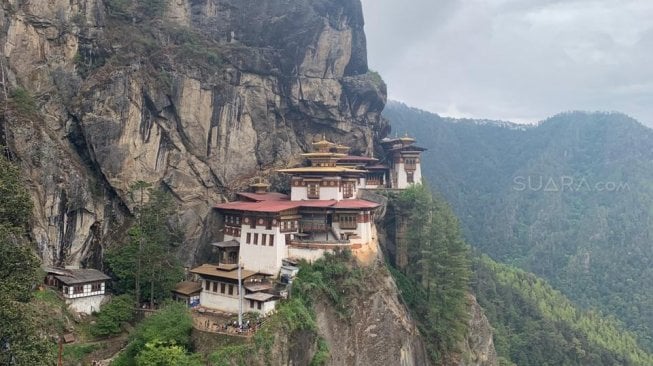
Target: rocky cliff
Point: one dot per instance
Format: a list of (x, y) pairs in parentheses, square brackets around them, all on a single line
[(197, 96)]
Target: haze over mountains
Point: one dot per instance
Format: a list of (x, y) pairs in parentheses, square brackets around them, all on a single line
[(569, 200)]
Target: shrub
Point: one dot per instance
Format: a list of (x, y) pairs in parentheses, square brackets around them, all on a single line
[(113, 315), (23, 101)]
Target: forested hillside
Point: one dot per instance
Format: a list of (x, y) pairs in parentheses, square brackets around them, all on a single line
[(536, 325), (569, 199)]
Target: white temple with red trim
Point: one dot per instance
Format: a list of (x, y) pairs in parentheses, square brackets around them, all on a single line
[(323, 212)]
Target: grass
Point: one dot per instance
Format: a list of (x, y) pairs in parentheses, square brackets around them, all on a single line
[(74, 353)]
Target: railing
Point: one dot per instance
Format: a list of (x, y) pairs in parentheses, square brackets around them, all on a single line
[(323, 244), (318, 241)]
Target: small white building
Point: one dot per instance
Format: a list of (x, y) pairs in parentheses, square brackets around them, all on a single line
[(187, 292), (220, 290), (404, 161), (82, 289)]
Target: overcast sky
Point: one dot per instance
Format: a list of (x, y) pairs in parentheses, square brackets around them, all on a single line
[(517, 60)]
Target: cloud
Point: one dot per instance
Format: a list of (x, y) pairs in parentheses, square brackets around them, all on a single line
[(515, 59)]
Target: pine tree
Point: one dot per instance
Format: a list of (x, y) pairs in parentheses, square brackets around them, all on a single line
[(438, 271)]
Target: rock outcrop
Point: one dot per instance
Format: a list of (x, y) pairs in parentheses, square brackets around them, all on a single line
[(379, 331), (478, 347), (196, 96)]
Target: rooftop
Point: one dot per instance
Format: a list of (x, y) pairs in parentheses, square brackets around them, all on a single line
[(355, 204), (407, 148), (262, 206), (278, 206), (258, 286), (214, 270), (188, 288), (76, 276), (268, 196), (259, 296), (227, 244), (357, 158), (321, 169)]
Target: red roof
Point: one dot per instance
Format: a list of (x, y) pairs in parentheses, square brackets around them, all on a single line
[(262, 206), (268, 196), (316, 203), (278, 206), (355, 204)]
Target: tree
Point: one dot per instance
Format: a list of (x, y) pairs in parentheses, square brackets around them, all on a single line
[(148, 257), (435, 281), (113, 315), (20, 343), (15, 207), (160, 354), (171, 326)]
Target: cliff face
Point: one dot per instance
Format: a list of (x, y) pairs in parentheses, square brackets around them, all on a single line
[(478, 347), (379, 332), (198, 96)]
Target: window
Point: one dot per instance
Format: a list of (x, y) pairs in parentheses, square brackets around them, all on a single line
[(96, 287), (231, 289), (347, 221), (271, 240), (255, 239), (410, 177), (251, 304), (348, 190), (207, 285), (222, 288), (215, 287), (263, 238), (313, 190), (248, 240), (258, 305), (410, 163), (78, 289)]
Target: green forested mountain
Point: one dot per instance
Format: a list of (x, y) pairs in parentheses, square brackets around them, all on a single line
[(570, 200), (536, 325)]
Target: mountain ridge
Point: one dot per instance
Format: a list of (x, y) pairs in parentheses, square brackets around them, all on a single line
[(589, 239)]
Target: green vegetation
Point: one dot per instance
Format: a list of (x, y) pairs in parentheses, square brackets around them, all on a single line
[(16, 206), (334, 278), (112, 316), (322, 355), (73, 353), (435, 281), (19, 270), (165, 332), (137, 8), (536, 325), (588, 241), (23, 101), (375, 76), (157, 354), (149, 257)]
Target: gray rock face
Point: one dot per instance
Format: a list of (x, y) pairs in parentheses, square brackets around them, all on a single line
[(379, 332), (199, 99), (478, 346)]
